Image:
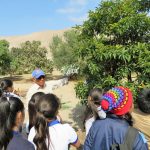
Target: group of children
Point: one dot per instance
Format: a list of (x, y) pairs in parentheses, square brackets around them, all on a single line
[(108, 120), (46, 132)]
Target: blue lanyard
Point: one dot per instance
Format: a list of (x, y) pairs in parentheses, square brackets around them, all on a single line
[(54, 122), (15, 132)]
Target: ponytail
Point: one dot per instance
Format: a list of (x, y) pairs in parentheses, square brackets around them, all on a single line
[(47, 109), (93, 101), (128, 118), (32, 108), (9, 107), (5, 132), (42, 132)]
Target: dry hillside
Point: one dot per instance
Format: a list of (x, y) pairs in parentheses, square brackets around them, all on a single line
[(45, 37)]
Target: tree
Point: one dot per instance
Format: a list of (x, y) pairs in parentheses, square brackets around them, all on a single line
[(4, 57), (30, 56), (64, 49), (116, 46)]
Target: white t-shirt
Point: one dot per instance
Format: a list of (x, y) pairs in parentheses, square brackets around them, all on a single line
[(88, 124), (61, 135), (36, 88), (48, 87)]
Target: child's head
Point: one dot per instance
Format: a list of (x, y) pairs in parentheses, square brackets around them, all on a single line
[(118, 101), (92, 104), (95, 96), (47, 109), (35, 98), (48, 106), (7, 85), (32, 107), (11, 118), (143, 100)]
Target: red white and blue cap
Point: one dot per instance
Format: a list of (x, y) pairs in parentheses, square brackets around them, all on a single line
[(118, 100), (37, 73)]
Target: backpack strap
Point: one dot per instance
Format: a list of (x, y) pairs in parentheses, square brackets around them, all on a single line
[(128, 140), (130, 137), (114, 147)]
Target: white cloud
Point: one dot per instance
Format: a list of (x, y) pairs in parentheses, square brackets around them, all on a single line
[(73, 6), (78, 2), (79, 20), (67, 10)]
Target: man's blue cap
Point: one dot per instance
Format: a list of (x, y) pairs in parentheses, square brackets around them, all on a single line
[(37, 73)]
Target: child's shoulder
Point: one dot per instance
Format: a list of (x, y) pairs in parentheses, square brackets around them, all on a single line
[(67, 127)]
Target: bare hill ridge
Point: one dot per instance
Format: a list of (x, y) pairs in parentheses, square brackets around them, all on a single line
[(45, 37)]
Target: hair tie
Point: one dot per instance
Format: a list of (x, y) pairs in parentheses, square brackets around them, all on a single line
[(7, 99)]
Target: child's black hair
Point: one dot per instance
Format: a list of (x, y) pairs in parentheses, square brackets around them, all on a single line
[(47, 109), (143, 100), (5, 84), (93, 101), (9, 107), (1, 92), (32, 110)]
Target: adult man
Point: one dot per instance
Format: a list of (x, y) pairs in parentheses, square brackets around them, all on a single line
[(142, 115), (38, 77)]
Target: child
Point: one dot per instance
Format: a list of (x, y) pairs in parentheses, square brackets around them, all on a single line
[(32, 108), (11, 118), (92, 113), (117, 102), (8, 89), (48, 133)]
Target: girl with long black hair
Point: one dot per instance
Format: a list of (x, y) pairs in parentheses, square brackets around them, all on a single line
[(48, 133), (93, 111), (7, 88), (11, 118), (32, 108)]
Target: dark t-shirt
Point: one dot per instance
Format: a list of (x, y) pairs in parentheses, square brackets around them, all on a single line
[(18, 142)]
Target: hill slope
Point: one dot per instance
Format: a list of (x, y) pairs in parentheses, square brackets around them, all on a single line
[(45, 37)]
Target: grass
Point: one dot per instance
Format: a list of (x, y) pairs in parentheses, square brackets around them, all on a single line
[(65, 105)]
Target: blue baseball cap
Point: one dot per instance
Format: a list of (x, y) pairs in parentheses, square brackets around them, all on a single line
[(37, 73)]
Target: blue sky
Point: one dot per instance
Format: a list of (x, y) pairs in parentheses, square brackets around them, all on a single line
[(18, 17)]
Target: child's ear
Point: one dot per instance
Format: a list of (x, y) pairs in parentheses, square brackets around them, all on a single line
[(132, 107), (33, 79), (89, 98), (19, 118)]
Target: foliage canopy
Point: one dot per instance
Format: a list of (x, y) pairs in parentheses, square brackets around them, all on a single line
[(28, 57), (64, 49), (4, 57), (115, 46)]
